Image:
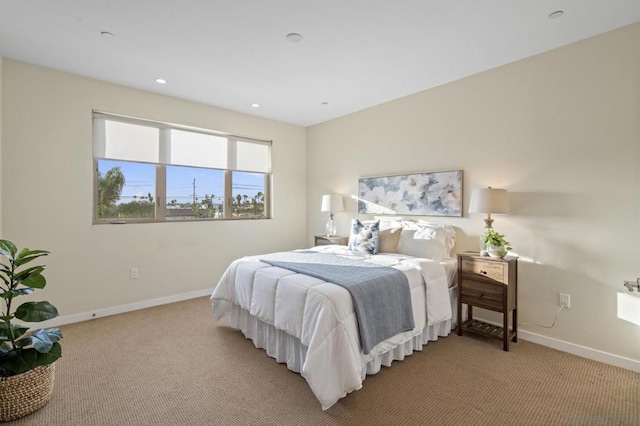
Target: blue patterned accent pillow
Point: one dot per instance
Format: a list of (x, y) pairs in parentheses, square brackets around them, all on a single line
[(364, 237)]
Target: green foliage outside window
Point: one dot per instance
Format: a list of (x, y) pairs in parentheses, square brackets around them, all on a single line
[(110, 187), (243, 206)]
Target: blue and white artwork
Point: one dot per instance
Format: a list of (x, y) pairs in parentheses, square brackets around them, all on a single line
[(424, 194)]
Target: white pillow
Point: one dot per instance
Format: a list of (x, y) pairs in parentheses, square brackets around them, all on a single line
[(411, 244), (443, 233)]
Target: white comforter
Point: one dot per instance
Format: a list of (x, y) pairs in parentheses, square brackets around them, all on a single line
[(321, 314)]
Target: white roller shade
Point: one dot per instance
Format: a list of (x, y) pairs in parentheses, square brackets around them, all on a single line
[(116, 140), (130, 139), (198, 150), (253, 156)]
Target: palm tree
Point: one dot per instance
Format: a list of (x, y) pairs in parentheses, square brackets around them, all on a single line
[(245, 197), (239, 198), (208, 205), (109, 190), (260, 200)]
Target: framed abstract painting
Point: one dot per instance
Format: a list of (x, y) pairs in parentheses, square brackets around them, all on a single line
[(421, 194)]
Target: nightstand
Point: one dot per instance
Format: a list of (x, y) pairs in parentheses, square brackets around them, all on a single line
[(489, 283), (324, 240)]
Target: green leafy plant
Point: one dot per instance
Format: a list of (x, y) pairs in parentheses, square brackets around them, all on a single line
[(493, 238), (22, 350)]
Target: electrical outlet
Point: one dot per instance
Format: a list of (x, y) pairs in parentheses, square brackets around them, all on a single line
[(565, 300), (133, 273)]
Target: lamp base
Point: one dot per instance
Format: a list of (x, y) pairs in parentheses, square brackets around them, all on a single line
[(330, 228), (487, 226)]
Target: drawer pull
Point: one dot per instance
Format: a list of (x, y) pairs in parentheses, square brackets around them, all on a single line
[(483, 272), (481, 294)]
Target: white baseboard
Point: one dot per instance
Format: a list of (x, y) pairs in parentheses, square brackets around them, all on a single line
[(583, 351), (579, 350), (69, 319)]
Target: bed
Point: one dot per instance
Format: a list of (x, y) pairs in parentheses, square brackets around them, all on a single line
[(310, 323)]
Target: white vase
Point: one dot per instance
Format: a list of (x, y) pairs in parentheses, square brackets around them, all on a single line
[(496, 251)]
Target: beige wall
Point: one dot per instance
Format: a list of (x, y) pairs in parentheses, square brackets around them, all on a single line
[(47, 194), (561, 132)]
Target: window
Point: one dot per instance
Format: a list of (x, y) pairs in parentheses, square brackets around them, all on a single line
[(247, 206), (194, 193), (147, 171), (126, 190)]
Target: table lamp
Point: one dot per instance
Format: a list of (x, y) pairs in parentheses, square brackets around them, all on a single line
[(490, 201), (331, 203)]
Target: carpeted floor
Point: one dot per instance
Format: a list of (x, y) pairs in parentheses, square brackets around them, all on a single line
[(171, 365)]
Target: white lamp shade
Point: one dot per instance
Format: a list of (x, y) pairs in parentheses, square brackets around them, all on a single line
[(489, 200), (332, 203)]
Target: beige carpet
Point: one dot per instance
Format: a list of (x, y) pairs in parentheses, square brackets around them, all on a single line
[(171, 365)]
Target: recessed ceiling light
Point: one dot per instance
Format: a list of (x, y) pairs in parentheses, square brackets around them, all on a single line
[(556, 14), (106, 34), (255, 105), (161, 81), (293, 37)]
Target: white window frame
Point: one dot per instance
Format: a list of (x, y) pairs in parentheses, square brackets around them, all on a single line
[(161, 167)]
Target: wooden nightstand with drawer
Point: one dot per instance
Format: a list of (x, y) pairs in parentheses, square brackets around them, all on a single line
[(324, 240), (488, 283)]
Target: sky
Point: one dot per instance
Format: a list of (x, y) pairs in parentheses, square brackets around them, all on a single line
[(140, 181)]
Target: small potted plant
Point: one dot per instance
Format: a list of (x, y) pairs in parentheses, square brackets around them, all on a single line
[(26, 356), (495, 243)]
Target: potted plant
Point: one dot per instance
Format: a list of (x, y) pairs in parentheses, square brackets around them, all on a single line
[(495, 243), (26, 356)]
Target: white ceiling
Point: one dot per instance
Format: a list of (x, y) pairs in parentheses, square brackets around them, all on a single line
[(354, 53)]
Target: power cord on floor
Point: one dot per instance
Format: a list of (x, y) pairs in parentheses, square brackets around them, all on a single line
[(546, 326)]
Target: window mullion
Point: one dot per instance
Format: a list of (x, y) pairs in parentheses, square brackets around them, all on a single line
[(267, 196), (228, 202), (161, 173), (161, 192)]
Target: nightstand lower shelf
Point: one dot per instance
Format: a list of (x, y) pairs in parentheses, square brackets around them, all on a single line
[(485, 329)]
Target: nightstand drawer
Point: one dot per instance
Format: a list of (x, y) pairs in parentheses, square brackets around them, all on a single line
[(483, 295), (323, 240), (489, 269)]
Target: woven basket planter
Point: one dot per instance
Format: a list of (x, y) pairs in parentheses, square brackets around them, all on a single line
[(25, 393)]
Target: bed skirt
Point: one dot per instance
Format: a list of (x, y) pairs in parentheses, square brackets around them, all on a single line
[(288, 349)]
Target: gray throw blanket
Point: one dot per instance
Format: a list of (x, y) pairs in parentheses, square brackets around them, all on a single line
[(381, 294)]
